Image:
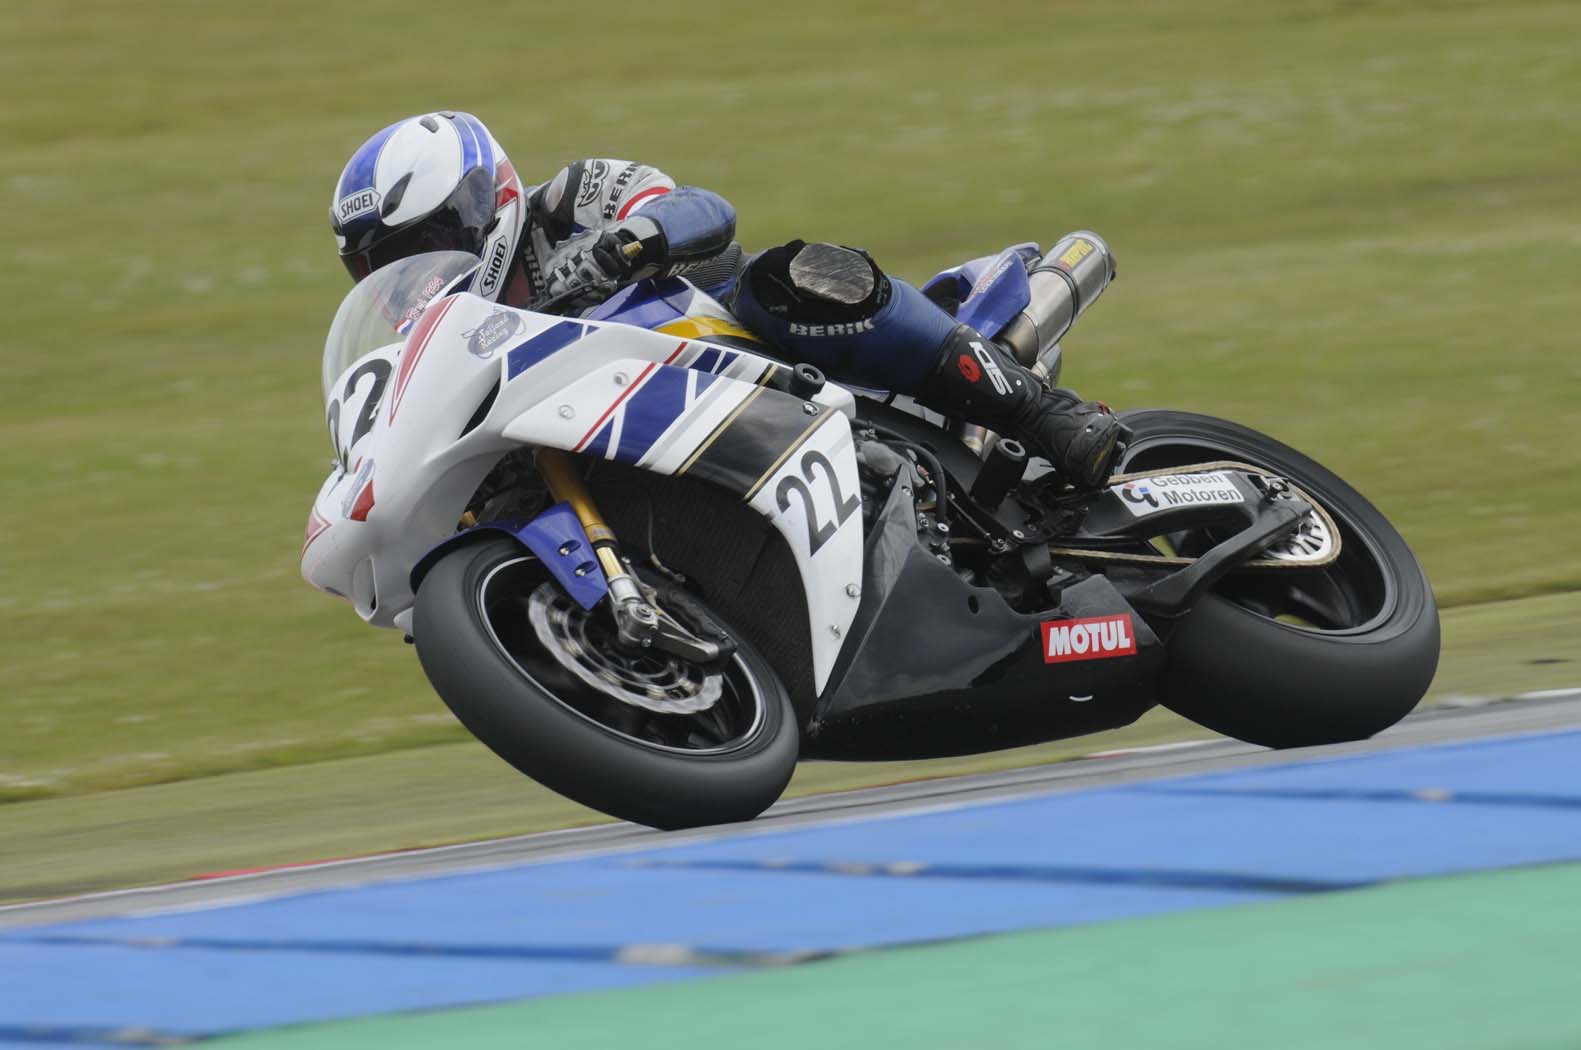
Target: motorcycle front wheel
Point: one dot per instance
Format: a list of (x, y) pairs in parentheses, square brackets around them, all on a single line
[(645, 737), (1294, 657)]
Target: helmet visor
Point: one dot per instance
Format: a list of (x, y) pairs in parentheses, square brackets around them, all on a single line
[(460, 224)]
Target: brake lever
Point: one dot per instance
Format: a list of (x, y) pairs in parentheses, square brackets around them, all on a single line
[(550, 304)]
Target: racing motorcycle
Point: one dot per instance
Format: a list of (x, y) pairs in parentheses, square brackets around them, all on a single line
[(650, 566)]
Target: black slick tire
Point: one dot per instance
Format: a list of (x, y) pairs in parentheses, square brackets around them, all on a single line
[(1269, 682), (523, 722)]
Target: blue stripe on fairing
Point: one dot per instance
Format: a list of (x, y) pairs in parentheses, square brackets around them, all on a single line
[(704, 381), (646, 304), (650, 411), (359, 170), (541, 346), (706, 360), (599, 446)]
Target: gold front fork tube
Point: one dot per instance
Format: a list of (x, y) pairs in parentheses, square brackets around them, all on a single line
[(559, 472)]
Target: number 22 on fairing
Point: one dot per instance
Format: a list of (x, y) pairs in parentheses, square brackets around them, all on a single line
[(816, 468), (818, 484), (350, 416)]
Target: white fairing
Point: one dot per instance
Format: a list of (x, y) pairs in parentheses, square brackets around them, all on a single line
[(600, 389)]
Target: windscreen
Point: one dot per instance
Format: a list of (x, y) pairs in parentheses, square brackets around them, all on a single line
[(383, 307)]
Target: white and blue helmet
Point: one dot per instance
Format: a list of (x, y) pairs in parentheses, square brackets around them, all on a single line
[(436, 182)]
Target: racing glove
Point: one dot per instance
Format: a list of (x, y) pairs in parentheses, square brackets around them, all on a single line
[(600, 263), (628, 252)]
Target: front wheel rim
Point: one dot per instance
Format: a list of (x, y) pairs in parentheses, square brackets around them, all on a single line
[(734, 722)]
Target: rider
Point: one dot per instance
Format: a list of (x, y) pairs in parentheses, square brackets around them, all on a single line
[(441, 182)]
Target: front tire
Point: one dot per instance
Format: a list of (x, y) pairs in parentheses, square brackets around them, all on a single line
[(1296, 657), (666, 770)]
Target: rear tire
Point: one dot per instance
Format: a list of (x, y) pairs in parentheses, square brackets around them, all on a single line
[(1367, 647), (601, 752)]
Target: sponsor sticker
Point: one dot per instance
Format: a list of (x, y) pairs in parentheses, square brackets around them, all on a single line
[(1146, 496), (619, 189), (356, 204), (969, 368), (1093, 638), (488, 337), (496, 266), (986, 280), (1076, 253), (592, 182), (826, 330), (995, 374), (415, 311)]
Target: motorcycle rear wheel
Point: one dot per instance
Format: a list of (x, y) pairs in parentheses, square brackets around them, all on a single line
[(1295, 657), (491, 667)]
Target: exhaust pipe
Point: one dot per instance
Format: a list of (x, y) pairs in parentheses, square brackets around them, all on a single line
[(1065, 283)]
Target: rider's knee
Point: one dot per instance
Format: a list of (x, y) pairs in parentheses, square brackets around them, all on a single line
[(817, 289)]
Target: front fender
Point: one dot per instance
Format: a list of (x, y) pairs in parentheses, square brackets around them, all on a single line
[(556, 537)]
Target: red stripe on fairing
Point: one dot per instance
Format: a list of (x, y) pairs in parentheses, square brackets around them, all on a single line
[(416, 343), (632, 389), (631, 205), (317, 525), (642, 377), (363, 503)]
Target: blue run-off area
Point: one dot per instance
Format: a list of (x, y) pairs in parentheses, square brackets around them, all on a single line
[(688, 911)]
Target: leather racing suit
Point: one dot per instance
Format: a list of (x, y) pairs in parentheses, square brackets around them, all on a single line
[(602, 221)]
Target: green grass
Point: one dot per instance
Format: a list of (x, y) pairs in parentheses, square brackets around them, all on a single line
[(458, 792), (1351, 224)]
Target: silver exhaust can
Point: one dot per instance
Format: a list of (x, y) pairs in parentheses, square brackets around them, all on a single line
[(1064, 284)]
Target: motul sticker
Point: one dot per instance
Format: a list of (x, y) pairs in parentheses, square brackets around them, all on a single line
[(1095, 638)]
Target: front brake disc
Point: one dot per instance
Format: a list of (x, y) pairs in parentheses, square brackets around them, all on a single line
[(580, 642)]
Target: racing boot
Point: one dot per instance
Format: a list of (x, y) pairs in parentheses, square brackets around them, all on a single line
[(977, 380)]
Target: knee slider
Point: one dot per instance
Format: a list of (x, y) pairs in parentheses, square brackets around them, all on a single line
[(818, 284)]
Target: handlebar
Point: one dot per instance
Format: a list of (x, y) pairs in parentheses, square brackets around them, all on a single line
[(553, 303)]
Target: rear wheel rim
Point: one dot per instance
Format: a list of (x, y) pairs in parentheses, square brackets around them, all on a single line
[(734, 722)]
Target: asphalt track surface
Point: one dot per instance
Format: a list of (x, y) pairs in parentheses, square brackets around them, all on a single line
[(1556, 710)]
